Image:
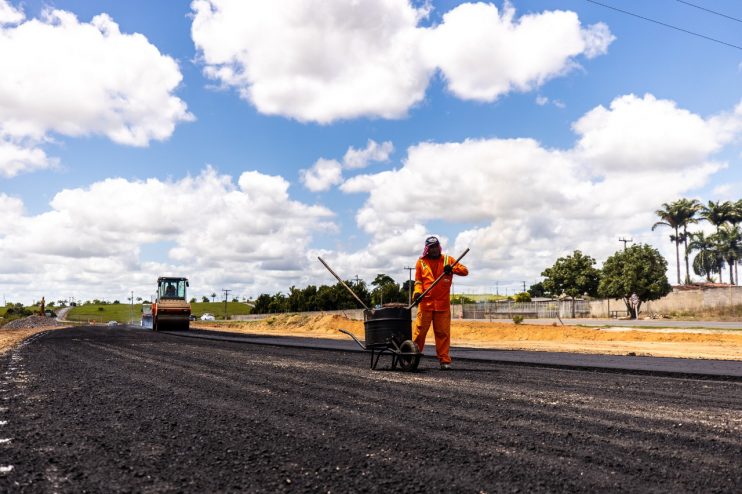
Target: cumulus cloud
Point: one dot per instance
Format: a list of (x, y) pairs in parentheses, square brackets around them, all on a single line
[(15, 159), (360, 158), (248, 231), (323, 175), (62, 76), (526, 204), (10, 14), (324, 60), (314, 60), (484, 53)]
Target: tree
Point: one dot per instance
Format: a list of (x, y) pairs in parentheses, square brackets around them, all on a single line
[(204, 299), (537, 290), (387, 290), (640, 269), (672, 217), (213, 296), (706, 261), (687, 210), (717, 213), (522, 297), (193, 300), (573, 276), (728, 241)]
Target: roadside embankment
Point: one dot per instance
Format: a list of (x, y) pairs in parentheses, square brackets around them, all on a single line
[(721, 345), (18, 330)]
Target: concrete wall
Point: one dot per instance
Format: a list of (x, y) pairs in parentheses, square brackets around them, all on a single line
[(677, 300)]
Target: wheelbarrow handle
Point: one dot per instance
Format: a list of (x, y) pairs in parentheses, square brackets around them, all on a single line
[(420, 297), (360, 344)]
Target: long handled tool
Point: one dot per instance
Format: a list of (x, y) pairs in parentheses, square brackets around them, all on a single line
[(343, 283), (420, 297)]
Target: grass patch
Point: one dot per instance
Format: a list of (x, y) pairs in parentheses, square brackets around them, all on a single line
[(123, 312)]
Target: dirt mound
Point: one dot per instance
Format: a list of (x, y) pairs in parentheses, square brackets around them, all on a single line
[(32, 322), (509, 336)]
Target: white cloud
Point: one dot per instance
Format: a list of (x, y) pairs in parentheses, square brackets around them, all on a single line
[(15, 159), (525, 204), (10, 14), (484, 53), (541, 100), (637, 134), (314, 60), (249, 233), (63, 76), (323, 175), (360, 158), (325, 60)]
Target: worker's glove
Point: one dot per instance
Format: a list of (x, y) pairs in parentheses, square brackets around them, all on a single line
[(416, 298), (448, 269)]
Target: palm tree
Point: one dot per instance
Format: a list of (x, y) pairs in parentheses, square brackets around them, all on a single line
[(736, 218), (717, 213), (729, 245), (687, 209), (706, 261), (670, 216)]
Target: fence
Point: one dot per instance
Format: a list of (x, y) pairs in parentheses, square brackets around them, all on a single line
[(546, 309)]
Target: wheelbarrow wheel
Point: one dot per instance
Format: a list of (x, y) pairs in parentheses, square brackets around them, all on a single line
[(409, 357)]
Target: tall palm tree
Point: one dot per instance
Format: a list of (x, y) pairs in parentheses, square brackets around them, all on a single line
[(729, 244), (736, 219), (687, 209), (706, 261), (670, 216), (717, 213)]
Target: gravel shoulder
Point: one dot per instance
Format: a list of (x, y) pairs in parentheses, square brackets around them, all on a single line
[(15, 332)]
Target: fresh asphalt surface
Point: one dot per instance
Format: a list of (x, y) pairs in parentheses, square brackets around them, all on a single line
[(126, 410)]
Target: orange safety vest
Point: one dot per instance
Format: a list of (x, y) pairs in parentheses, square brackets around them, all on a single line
[(427, 271)]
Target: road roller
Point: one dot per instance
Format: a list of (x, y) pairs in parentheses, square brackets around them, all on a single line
[(171, 311)]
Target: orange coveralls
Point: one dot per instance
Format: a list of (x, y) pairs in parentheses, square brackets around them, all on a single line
[(436, 306)]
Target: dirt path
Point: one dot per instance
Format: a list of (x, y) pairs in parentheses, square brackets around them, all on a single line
[(499, 335)]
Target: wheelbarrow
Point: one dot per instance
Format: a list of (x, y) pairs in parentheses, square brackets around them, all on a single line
[(388, 330)]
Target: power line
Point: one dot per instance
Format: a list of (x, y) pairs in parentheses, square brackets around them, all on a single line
[(666, 25), (709, 10)]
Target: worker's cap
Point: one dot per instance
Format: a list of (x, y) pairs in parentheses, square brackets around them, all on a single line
[(430, 242)]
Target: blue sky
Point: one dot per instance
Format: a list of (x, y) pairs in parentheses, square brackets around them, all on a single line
[(522, 130)]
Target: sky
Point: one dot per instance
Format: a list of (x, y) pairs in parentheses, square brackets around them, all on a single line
[(233, 142)]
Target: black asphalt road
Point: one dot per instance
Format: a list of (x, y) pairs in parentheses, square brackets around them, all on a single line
[(123, 410)]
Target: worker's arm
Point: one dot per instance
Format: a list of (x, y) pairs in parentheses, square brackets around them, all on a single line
[(418, 279), (460, 270)]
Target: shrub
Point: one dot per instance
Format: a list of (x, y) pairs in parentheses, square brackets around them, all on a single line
[(518, 319)]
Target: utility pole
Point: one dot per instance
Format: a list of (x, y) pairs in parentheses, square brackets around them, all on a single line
[(524, 287), (131, 308), (625, 241), (226, 294), (409, 286), (497, 288)]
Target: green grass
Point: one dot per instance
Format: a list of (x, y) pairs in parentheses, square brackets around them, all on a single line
[(122, 312), (482, 297)]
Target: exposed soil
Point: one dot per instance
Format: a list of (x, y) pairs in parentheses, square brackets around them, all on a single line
[(124, 410), (18, 330), (723, 345)]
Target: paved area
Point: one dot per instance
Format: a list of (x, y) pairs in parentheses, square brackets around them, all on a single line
[(728, 369), (121, 410)]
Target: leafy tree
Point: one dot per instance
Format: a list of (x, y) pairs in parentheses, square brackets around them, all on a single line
[(572, 276), (640, 269), (671, 216), (192, 301), (688, 210), (537, 290), (522, 297), (205, 299), (728, 241), (213, 297), (387, 290), (717, 213), (706, 261)]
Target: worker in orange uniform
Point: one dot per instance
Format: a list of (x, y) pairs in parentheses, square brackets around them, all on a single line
[(435, 307)]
